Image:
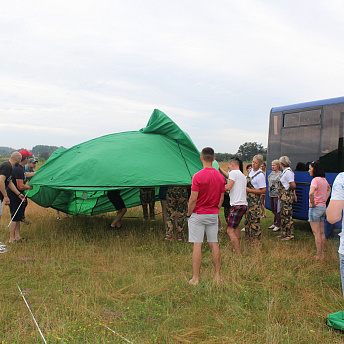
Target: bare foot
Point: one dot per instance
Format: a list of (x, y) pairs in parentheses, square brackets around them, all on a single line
[(218, 279), (193, 282)]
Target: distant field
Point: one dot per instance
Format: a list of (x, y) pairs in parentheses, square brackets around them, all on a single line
[(79, 277)]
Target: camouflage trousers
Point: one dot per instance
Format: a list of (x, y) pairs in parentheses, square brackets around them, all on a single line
[(147, 197), (252, 217), (176, 209), (286, 206)]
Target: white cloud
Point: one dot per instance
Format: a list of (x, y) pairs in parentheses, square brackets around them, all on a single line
[(86, 68)]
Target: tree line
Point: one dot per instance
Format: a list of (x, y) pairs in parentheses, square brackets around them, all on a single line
[(39, 151), (245, 152)]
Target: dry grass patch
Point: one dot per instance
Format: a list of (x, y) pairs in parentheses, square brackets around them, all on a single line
[(79, 276)]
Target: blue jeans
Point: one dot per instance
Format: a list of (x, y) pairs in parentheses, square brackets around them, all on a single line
[(341, 264)]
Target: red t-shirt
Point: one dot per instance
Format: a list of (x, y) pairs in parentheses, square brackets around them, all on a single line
[(210, 184)]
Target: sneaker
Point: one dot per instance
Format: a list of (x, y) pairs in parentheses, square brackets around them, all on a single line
[(276, 229), (3, 249), (280, 236), (180, 238), (272, 227), (243, 229), (168, 237)]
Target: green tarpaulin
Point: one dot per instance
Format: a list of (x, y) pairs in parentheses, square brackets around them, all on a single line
[(76, 180)]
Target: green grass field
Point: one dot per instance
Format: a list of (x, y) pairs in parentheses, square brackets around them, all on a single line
[(81, 278)]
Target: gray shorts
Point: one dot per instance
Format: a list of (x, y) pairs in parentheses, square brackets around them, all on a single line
[(1, 206), (203, 223)]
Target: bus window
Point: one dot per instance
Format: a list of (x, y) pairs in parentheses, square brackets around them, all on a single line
[(295, 119)]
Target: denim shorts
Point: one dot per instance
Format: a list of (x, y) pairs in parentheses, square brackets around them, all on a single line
[(317, 214)]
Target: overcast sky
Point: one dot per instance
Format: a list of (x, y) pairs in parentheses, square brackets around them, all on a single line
[(74, 70)]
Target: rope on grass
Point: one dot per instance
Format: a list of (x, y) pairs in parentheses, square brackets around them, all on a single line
[(127, 340), (32, 314)]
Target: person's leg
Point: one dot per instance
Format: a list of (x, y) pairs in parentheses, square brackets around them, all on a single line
[(216, 258), (169, 218), (318, 242), (117, 221), (196, 262), (143, 199), (152, 203), (163, 208), (234, 236), (262, 205), (17, 235), (181, 217), (288, 220), (12, 231), (323, 239), (255, 221)]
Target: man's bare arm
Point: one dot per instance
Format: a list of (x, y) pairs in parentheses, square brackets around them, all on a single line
[(192, 202)]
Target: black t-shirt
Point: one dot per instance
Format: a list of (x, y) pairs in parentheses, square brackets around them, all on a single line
[(6, 170), (17, 173)]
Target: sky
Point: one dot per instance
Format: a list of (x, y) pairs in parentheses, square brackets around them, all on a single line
[(74, 70)]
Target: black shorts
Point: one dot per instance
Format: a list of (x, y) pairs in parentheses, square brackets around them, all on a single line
[(115, 198), (14, 204)]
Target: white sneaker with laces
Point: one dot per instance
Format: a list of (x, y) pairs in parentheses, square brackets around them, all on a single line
[(272, 227), (243, 229), (276, 229)]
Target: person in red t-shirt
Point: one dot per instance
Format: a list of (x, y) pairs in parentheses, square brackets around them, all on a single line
[(207, 193)]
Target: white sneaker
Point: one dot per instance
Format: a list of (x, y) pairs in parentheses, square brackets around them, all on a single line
[(272, 227), (276, 229), (243, 229)]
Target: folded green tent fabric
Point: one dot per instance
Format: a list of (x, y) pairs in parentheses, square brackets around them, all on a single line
[(76, 180), (336, 320)]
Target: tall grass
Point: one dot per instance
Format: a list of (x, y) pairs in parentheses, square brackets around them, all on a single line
[(79, 276)]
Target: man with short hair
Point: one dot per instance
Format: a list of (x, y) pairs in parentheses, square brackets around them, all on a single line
[(30, 168), (207, 192), (237, 186), (17, 209), (5, 181)]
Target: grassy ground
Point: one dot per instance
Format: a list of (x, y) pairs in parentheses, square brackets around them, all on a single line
[(79, 277)]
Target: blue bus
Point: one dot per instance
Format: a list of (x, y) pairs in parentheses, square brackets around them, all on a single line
[(307, 132)]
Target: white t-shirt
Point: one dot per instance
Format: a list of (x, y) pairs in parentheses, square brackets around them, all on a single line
[(287, 177), (259, 181), (338, 195), (238, 191)]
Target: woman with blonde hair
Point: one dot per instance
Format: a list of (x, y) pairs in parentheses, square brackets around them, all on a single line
[(287, 195), (256, 186), (273, 179)]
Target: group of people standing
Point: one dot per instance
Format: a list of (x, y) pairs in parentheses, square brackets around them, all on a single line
[(14, 175)]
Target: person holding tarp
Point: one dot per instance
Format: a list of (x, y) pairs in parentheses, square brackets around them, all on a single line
[(17, 203), (6, 181), (116, 199), (147, 197)]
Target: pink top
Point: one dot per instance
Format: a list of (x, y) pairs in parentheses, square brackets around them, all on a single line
[(320, 184), (210, 184)]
